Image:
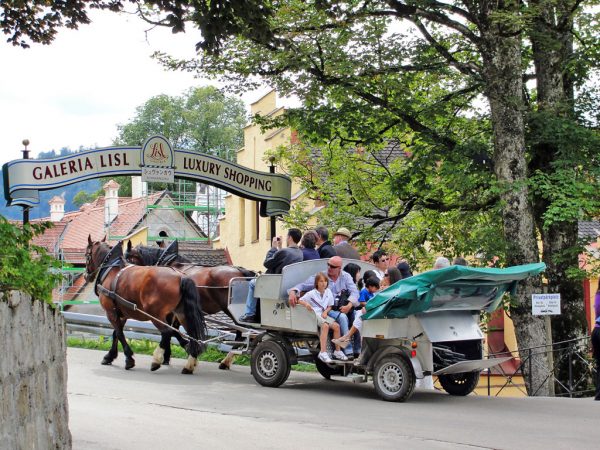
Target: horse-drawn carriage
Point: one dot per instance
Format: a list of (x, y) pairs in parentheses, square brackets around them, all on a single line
[(423, 326)]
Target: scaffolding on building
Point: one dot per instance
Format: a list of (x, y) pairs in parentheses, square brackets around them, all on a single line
[(195, 202)]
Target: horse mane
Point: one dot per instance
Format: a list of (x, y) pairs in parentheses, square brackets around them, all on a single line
[(149, 255), (245, 272), (155, 255), (114, 253)]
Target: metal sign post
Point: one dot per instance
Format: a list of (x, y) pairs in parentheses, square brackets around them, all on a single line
[(546, 305), (25, 156)]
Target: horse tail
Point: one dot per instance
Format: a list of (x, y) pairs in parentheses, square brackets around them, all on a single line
[(195, 325)]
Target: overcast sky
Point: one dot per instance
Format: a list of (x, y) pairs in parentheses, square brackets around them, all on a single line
[(75, 91)]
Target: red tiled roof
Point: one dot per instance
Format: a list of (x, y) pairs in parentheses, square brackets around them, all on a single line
[(50, 240), (71, 233)]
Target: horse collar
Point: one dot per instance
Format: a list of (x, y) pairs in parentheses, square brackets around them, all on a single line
[(165, 260)]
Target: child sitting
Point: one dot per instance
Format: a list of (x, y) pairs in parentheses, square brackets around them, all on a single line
[(366, 294), (320, 300)]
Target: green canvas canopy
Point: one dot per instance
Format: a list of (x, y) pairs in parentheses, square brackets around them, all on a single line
[(451, 288)]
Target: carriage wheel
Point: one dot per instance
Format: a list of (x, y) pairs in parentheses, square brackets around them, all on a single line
[(326, 370), (459, 383), (393, 379), (270, 365)]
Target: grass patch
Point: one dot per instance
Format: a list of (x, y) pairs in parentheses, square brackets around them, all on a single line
[(147, 347)]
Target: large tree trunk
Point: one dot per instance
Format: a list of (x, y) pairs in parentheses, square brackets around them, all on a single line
[(552, 49), (504, 90)]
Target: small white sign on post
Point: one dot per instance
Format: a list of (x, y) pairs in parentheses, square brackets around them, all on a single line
[(545, 304)]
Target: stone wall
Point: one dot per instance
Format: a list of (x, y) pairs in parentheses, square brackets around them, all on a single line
[(34, 412)]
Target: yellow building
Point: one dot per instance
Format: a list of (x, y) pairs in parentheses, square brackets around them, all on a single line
[(246, 235)]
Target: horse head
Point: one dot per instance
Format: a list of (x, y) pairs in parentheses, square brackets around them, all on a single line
[(97, 253), (133, 254)]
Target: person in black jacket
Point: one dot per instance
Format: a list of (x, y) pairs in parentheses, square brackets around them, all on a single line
[(324, 247), (277, 258)]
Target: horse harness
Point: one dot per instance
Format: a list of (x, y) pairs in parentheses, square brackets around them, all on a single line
[(120, 301)]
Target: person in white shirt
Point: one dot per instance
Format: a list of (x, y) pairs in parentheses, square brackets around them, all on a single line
[(320, 300), (382, 262)]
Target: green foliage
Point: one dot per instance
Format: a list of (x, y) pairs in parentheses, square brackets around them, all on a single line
[(83, 197), (367, 77), (202, 119), (25, 267), (570, 184), (147, 347)]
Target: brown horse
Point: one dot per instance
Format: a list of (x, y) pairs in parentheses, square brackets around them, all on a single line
[(158, 294), (212, 282)]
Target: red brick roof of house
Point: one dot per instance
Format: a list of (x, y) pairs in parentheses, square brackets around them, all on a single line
[(50, 240), (71, 233)]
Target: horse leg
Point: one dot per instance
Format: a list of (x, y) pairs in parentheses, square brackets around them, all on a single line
[(226, 362), (166, 345), (160, 353), (183, 342), (190, 365), (129, 361), (113, 352)]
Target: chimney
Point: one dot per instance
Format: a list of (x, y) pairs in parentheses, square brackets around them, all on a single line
[(111, 201), (57, 208), (138, 188)]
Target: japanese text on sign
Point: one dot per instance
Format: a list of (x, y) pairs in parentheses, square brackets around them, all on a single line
[(163, 174)]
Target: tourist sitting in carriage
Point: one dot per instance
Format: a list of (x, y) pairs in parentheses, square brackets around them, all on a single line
[(342, 287), (277, 258), (320, 301)]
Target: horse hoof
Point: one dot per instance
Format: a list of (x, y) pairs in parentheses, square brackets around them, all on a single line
[(186, 371), (129, 364), (106, 362), (165, 363), (154, 366), (223, 366)]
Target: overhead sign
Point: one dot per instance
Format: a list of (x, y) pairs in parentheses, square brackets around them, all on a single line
[(157, 160), (24, 178), (545, 304)]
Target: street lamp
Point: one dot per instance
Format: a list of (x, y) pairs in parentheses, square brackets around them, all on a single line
[(25, 143), (272, 170)]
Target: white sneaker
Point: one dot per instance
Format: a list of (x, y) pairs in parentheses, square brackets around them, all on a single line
[(339, 355), (324, 356)]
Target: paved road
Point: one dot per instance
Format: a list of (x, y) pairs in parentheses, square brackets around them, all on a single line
[(111, 408)]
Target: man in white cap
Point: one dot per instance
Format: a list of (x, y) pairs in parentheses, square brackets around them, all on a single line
[(341, 245)]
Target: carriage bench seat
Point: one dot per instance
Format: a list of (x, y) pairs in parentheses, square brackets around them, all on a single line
[(272, 291)]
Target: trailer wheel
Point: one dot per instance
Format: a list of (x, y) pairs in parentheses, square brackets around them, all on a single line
[(326, 370), (459, 383), (270, 365), (393, 379)]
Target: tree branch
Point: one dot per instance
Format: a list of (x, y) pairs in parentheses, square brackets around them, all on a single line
[(464, 68)]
